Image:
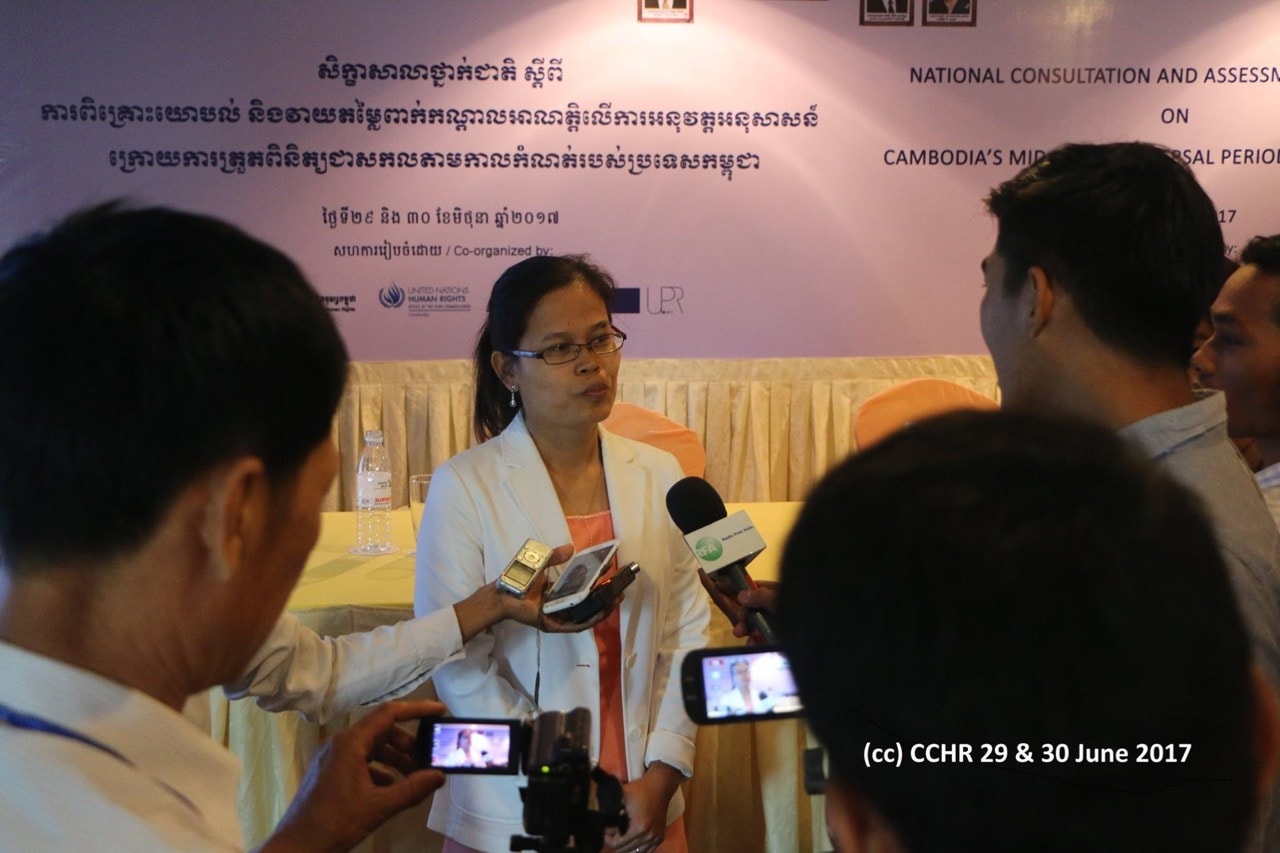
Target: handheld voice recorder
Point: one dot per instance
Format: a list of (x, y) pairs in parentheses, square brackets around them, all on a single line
[(517, 577)]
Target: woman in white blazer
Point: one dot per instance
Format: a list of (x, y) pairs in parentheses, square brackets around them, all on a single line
[(546, 375)]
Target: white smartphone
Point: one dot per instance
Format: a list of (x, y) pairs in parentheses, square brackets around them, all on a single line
[(579, 575)]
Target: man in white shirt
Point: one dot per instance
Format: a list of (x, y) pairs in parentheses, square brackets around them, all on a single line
[(1242, 357), (325, 677), (167, 385)]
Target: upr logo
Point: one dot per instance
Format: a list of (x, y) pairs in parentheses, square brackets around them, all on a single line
[(709, 549), (391, 297)]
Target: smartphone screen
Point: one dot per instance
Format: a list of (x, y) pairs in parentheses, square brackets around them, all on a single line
[(739, 683), (602, 595), (458, 745), (579, 575)]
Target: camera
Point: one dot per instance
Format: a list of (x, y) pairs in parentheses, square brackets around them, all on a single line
[(738, 684), (554, 752)]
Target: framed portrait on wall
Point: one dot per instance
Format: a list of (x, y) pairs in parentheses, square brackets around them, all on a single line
[(665, 11), (949, 13), (892, 13)]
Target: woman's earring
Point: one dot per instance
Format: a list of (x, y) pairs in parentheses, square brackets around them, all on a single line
[(513, 398)]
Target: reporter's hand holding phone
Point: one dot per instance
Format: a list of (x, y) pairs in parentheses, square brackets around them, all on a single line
[(555, 623), (531, 607), (490, 605)]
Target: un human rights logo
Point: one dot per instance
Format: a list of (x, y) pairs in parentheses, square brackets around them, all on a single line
[(391, 297)]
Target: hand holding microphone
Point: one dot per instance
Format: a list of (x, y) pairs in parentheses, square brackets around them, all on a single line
[(737, 606), (723, 546)]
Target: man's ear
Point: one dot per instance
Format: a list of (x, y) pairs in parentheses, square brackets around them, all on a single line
[(1044, 298), (235, 514), (1266, 732)]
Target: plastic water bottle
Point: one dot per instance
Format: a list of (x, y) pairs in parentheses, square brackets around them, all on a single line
[(373, 497)]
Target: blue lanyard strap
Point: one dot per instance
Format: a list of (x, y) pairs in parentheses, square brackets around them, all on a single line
[(29, 722), (19, 720)]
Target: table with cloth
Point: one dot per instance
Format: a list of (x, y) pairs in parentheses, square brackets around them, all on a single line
[(747, 790)]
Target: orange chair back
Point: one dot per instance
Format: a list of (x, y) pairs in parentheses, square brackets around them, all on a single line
[(890, 410), (641, 424)]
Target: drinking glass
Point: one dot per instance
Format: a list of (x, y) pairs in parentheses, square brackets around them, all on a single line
[(418, 484)]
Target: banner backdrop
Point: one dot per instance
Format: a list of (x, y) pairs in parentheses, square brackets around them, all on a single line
[(764, 177)]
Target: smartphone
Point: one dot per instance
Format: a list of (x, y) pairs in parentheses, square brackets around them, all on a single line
[(580, 574), (470, 745), (520, 574), (602, 595), (739, 683)]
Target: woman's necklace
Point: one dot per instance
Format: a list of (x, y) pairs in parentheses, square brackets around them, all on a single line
[(583, 494)]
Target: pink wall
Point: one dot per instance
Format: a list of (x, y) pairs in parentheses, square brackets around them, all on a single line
[(818, 243)]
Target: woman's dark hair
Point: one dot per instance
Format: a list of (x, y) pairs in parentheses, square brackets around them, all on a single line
[(515, 294)]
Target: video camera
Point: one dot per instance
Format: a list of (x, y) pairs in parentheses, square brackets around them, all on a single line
[(746, 684), (554, 751), (570, 799)]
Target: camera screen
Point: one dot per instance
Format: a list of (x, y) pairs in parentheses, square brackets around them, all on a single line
[(751, 684), (468, 746)]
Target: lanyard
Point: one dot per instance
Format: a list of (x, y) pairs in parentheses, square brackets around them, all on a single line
[(19, 720), (29, 722)]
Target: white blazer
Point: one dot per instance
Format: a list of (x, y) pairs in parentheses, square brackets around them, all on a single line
[(481, 507)]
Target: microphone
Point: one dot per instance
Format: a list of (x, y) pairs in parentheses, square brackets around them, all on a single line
[(723, 544)]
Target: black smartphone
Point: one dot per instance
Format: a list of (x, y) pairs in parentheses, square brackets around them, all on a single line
[(739, 683), (602, 595), (470, 745)]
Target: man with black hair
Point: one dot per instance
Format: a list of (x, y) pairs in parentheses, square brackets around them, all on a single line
[(1242, 357), (1036, 590), (1106, 258), (167, 385)]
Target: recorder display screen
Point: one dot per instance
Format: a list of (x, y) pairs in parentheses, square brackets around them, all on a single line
[(519, 573)]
